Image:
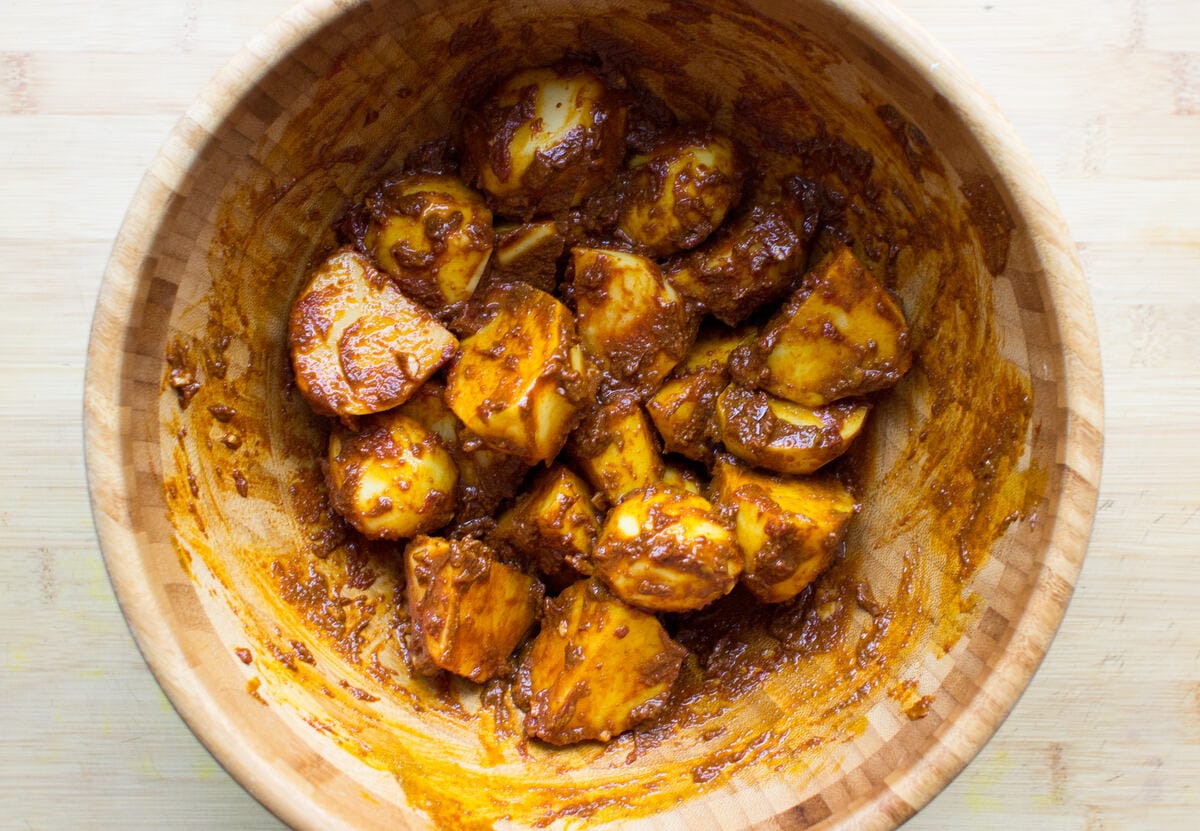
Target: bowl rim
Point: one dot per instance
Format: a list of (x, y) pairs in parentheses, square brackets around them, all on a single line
[(1080, 390)]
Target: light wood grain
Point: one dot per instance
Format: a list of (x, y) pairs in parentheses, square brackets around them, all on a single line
[(1107, 736)]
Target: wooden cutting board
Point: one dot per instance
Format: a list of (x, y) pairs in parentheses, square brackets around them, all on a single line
[(1107, 96)]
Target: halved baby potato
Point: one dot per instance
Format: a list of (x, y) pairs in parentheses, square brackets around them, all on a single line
[(615, 447), (788, 528), (785, 437), (596, 668), (486, 477), (358, 344), (529, 253), (553, 526), (433, 234), (521, 381), (666, 550), (393, 478), (684, 407), (545, 140), (469, 610), (842, 334), (756, 259), (631, 321), (679, 192)]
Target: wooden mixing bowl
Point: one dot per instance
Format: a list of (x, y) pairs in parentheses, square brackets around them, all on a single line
[(274, 635)]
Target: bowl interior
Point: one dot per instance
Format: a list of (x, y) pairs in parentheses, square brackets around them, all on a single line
[(276, 635)]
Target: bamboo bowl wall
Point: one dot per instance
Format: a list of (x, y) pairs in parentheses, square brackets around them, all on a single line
[(275, 639)]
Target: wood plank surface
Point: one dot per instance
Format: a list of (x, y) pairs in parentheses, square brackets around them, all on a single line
[(1107, 96)]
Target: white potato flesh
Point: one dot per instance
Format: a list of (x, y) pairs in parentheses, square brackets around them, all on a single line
[(553, 526), (596, 668), (679, 192), (788, 527), (391, 479), (521, 381), (842, 334), (469, 610), (615, 448), (632, 321), (358, 344), (786, 437), (433, 234), (666, 550), (544, 141)]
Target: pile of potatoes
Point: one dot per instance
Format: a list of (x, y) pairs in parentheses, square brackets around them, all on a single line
[(555, 370)]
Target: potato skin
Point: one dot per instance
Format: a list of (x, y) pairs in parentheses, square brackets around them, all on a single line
[(632, 322), (391, 479), (521, 381), (684, 407), (789, 528), (616, 448), (432, 234), (545, 140), (754, 260), (664, 549), (786, 437), (597, 668), (553, 526), (842, 334), (358, 345), (679, 192), (469, 610)]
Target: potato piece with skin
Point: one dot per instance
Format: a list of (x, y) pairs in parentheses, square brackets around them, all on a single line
[(788, 528), (631, 321), (391, 479), (521, 381), (433, 234), (469, 610), (679, 192), (842, 334), (545, 140), (785, 437), (684, 407), (752, 261), (616, 448), (553, 526), (529, 253), (596, 668), (485, 477), (666, 550), (358, 345)]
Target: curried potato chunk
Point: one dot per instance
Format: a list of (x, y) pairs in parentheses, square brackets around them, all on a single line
[(684, 408), (615, 447), (529, 253), (755, 260), (682, 477), (788, 528), (358, 345), (785, 437), (679, 192), (544, 141), (486, 477), (665, 550), (597, 668), (433, 234), (631, 321), (392, 479), (553, 526), (842, 334), (520, 382), (469, 610)]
